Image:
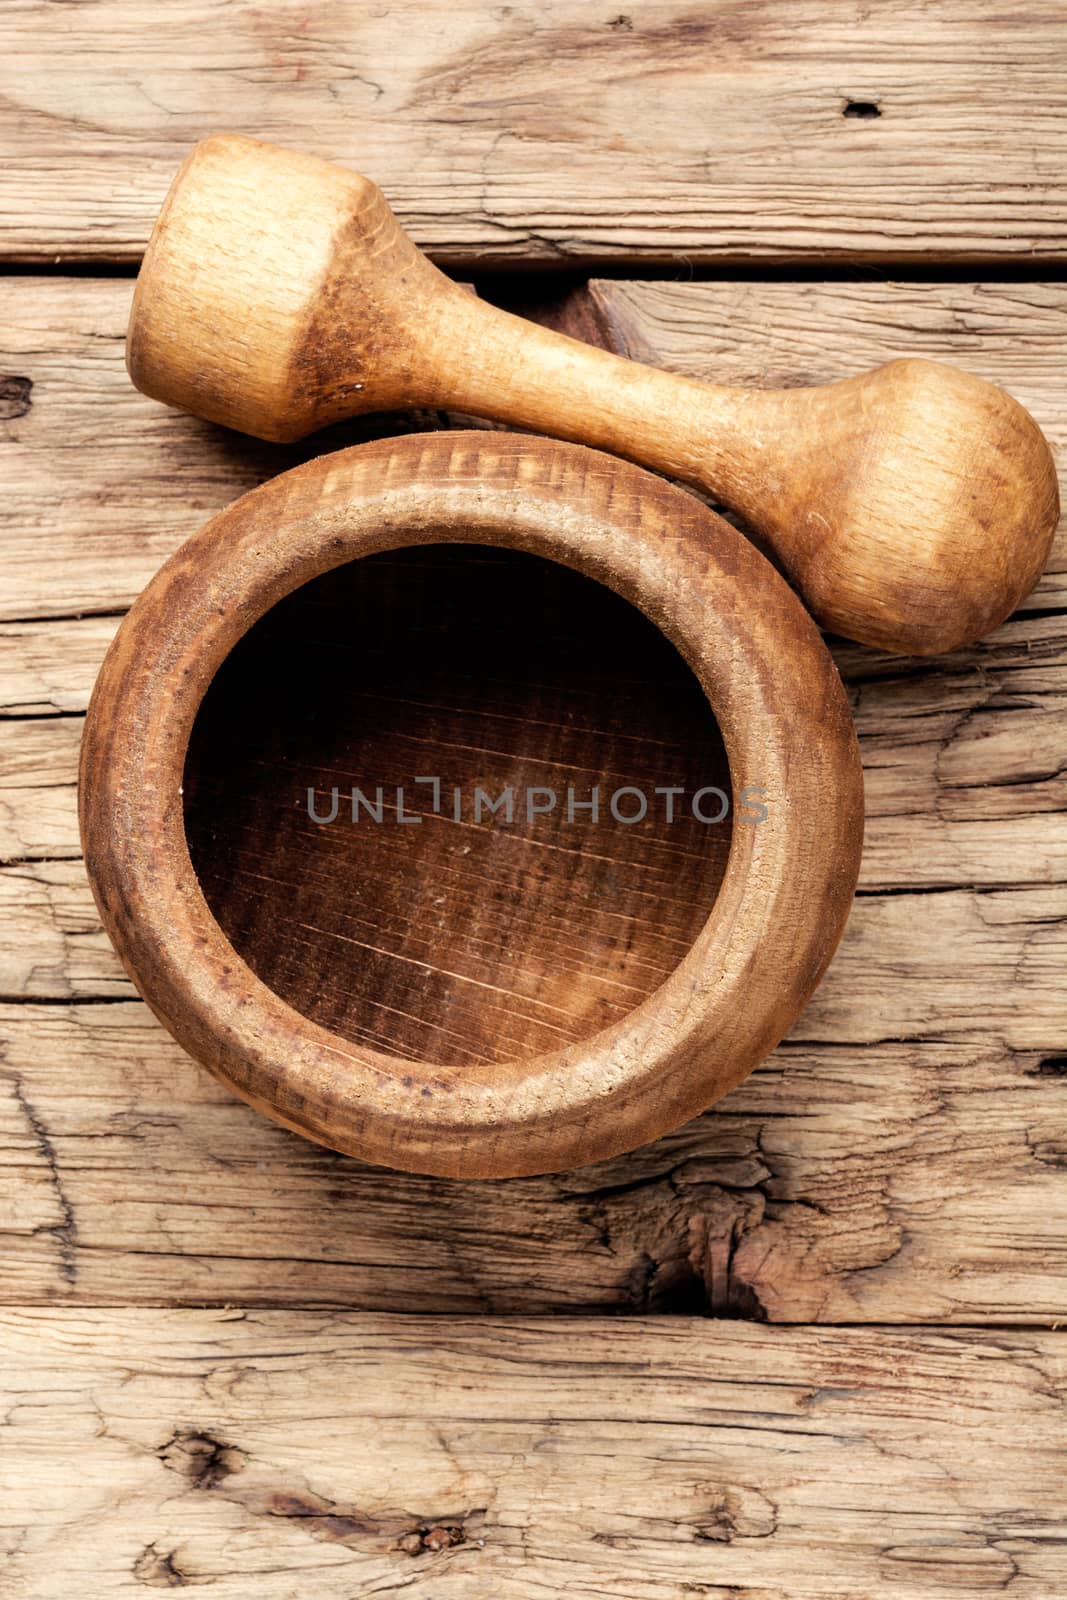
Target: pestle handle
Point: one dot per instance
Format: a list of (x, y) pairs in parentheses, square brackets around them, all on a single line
[(494, 364)]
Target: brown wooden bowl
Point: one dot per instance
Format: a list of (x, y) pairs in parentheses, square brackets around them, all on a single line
[(471, 998)]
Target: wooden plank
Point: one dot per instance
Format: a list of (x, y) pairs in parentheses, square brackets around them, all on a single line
[(38, 797), (48, 671), (895, 1183), (662, 133), (956, 964), (102, 484), (963, 770), (54, 946), (288, 1452), (981, 965), (964, 773)]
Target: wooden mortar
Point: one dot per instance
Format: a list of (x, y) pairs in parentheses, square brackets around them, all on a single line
[(445, 997)]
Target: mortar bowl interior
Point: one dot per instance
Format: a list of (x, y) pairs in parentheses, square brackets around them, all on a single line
[(441, 801)]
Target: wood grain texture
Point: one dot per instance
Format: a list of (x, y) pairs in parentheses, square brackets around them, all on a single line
[(661, 132), (367, 1456), (897, 1182), (91, 509)]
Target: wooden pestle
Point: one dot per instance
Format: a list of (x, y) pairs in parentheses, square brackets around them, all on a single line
[(913, 506)]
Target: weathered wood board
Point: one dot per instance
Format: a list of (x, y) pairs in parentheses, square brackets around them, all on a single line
[(657, 131), (901, 1159), (893, 1183), (285, 1453), (961, 976), (102, 484), (963, 759)]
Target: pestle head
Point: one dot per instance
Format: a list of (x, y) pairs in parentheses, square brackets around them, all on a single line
[(275, 293), (920, 506)]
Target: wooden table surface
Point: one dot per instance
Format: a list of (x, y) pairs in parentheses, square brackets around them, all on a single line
[(805, 1347)]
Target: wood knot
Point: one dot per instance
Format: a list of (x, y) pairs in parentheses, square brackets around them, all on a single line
[(159, 1570), (198, 1457), (431, 1539), (736, 1513), (15, 398)]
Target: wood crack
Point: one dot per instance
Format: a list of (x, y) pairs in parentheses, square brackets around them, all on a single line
[(65, 1232)]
